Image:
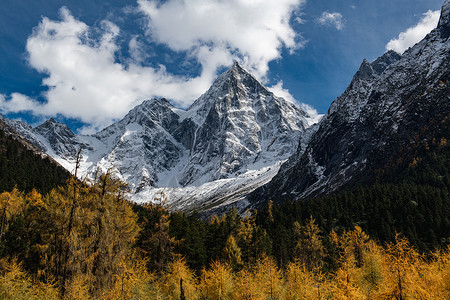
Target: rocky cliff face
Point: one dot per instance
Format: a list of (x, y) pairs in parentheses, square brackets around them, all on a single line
[(240, 125), (387, 102)]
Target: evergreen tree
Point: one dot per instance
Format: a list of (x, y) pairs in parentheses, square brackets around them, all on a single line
[(232, 253)]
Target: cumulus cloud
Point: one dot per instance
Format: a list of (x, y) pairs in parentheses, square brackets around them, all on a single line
[(17, 102), (84, 80), (412, 35), (217, 32), (280, 91), (331, 19)]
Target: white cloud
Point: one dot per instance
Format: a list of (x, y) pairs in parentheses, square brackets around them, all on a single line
[(18, 102), (250, 31), (331, 19), (280, 91), (136, 50), (412, 35), (85, 81)]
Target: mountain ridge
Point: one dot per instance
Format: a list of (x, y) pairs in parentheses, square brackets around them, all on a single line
[(379, 112), (236, 129), (235, 137)]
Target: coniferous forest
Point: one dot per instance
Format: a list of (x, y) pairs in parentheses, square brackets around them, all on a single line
[(24, 169), (84, 240), (87, 241)]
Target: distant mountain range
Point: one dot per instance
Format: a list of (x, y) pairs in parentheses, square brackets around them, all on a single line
[(239, 144)]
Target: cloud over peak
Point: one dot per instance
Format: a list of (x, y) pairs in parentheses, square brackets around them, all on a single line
[(218, 32), (414, 34), (86, 81)]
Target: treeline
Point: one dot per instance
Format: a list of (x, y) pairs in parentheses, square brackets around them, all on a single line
[(411, 195), (85, 241), (21, 168)]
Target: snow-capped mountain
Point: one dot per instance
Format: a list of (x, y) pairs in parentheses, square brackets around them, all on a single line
[(386, 104), (230, 141), (241, 125)]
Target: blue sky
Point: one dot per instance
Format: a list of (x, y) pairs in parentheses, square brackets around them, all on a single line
[(87, 63)]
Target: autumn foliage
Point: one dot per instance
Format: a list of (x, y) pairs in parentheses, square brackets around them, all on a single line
[(86, 241)]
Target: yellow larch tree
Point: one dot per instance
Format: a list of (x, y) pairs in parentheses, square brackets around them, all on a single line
[(77, 288), (245, 234), (232, 253), (86, 230), (353, 244), (16, 284), (309, 248), (177, 278), (134, 281), (10, 203), (268, 278), (245, 287), (346, 283), (372, 271), (217, 282), (432, 276), (402, 275), (300, 283)]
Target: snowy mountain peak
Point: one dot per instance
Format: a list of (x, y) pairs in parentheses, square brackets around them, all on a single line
[(240, 124), (237, 78), (236, 129), (237, 67), (52, 125), (384, 61), (54, 131), (235, 89), (445, 13)]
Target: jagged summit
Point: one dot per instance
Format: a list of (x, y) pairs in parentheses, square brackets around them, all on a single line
[(384, 61), (368, 70), (240, 115), (51, 126), (365, 71), (237, 67), (445, 14), (234, 84)]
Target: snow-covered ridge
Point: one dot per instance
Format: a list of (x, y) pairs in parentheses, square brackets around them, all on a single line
[(230, 141), (387, 102)]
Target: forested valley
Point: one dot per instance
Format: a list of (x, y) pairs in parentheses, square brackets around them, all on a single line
[(84, 240)]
